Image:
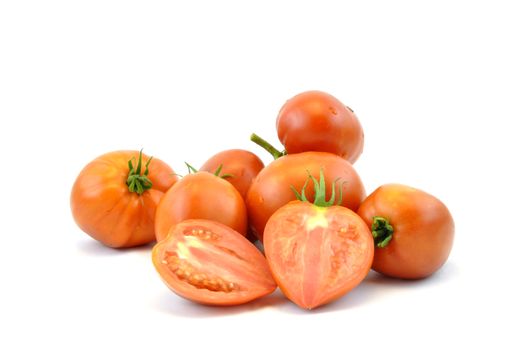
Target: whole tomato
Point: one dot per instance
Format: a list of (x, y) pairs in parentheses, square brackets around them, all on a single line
[(201, 196), (413, 231), (271, 189), (240, 167), (115, 196), (317, 121)]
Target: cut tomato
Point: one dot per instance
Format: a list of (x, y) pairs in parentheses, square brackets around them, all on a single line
[(210, 263), (317, 251)]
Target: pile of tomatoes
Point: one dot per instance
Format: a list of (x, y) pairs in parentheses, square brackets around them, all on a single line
[(320, 233)]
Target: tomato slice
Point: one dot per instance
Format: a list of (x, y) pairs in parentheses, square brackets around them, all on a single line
[(317, 254), (210, 263)]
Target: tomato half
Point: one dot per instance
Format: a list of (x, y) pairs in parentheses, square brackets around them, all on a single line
[(241, 165), (271, 189), (317, 121), (413, 230), (317, 254), (201, 196), (210, 263), (115, 204)]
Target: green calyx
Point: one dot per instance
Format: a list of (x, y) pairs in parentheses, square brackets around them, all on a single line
[(382, 231), (136, 181), (192, 170), (320, 191), (267, 146)]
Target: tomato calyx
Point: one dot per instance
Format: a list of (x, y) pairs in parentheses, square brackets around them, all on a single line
[(136, 181), (382, 231), (320, 191), (192, 170), (267, 146)]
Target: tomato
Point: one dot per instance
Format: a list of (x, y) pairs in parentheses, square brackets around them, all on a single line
[(201, 196), (115, 202), (317, 252), (413, 230), (242, 167), (210, 263), (271, 189), (317, 121)]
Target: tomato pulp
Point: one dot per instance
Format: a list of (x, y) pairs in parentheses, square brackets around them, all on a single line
[(210, 263), (317, 254)]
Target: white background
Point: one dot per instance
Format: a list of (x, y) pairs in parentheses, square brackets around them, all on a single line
[(440, 90)]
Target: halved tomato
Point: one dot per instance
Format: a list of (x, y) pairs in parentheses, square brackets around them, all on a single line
[(210, 263), (317, 252)]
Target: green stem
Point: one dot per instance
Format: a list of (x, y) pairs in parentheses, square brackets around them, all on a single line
[(136, 181), (319, 187), (382, 231), (267, 146)]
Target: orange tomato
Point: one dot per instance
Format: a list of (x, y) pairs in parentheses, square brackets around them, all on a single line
[(242, 167), (317, 121), (115, 196), (271, 189), (201, 196), (413, 231)]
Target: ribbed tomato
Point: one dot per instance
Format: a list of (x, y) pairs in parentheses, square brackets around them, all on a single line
[(115, 196)]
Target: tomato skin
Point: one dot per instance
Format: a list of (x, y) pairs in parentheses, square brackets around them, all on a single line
[(241, 164), (317, 121), (423, 231), (317, 254), (210, 263), (271, 189), (201, 196), (104, 208)]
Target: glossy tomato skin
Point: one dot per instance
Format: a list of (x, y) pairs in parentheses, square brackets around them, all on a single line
[(271, 189), (210, 263), (201, 196), (317, 121), (423, 231), (104, 208), (241, 164), (317, 254)]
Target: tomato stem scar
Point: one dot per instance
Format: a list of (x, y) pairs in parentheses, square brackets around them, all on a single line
[(382, 231)]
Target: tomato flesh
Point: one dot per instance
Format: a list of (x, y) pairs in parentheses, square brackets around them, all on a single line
[(210, 263), (317, 254)]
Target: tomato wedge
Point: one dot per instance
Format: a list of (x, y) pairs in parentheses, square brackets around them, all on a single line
[(210, 263), (317, 252)]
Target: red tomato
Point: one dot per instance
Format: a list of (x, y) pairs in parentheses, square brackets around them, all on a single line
[(241, 165), (317, 121), (201, 196), (317, 252), (271, 189), (413, 231), (210, 263), (115, 204)]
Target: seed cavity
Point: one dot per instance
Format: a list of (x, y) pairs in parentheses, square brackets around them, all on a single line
[(188, 273), (202, 233)]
